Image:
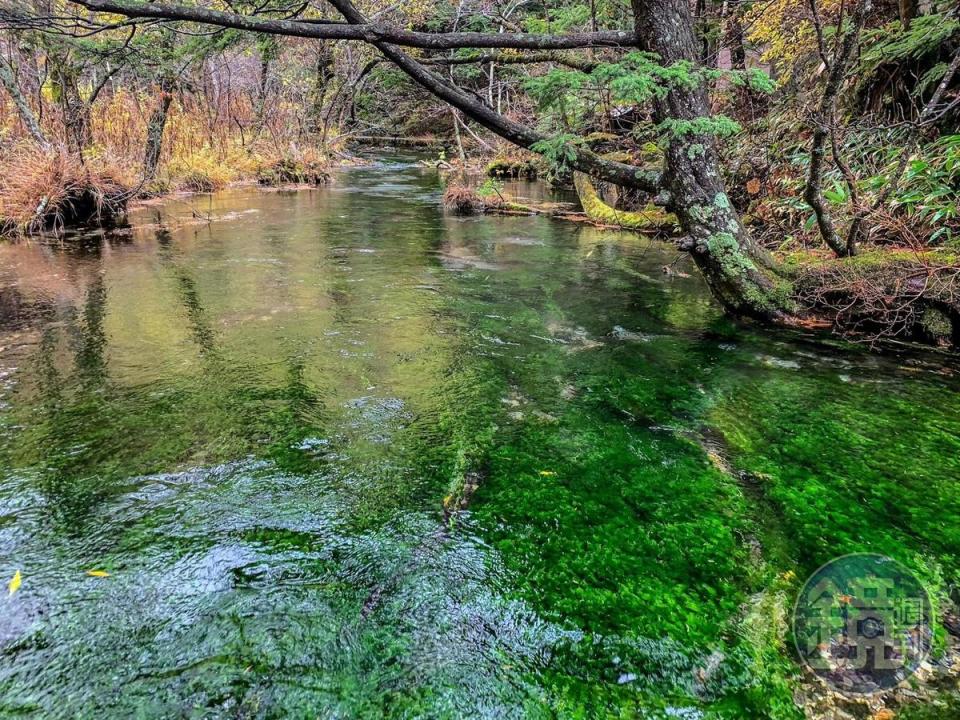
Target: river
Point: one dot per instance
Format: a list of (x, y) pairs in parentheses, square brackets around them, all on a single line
[(333, 453)]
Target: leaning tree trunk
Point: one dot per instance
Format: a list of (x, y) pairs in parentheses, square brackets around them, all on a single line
[(739, 272)]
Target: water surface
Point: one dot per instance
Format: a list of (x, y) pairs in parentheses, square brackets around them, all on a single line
[(341, 455)]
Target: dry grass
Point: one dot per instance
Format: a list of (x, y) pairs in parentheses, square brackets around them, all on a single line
[(205, 170), (308, 167), (462, 200), (48, 189), (201, 152)]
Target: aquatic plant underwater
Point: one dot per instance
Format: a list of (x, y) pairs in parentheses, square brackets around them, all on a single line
[(338, 454)]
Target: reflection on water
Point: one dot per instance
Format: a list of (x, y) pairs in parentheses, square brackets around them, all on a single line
[(258, 426)]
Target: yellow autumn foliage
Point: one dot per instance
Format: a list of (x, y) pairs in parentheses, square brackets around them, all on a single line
[(783, 29)]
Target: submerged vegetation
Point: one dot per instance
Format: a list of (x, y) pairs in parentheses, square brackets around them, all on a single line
[(483, 467)]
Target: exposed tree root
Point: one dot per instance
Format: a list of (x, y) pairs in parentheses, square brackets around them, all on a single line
[(885, 294), (462, 200)]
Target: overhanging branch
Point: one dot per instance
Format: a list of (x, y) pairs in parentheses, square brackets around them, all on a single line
[(512, 58), (366, 31)]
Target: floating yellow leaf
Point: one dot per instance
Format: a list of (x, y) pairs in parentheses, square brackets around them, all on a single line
[(547, 473), (98, 573), (14, 583)]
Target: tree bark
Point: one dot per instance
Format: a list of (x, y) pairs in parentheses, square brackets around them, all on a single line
[(513, 58), (76, 112), (268, 47), (29, 120), (363, 31), (738, 271), (318, 93), (909, 9), (78, 122), (155, 128)]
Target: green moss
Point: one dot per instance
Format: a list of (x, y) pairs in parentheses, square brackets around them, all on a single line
[(651, 218), (726, 249), (884, 484), (935, 323), (511, 167), (598, 139), (262, 452), (871, 259)]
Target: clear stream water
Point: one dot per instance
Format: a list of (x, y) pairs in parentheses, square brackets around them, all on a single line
[(259, 426)]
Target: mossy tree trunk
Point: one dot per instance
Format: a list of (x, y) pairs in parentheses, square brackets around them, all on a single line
[(649, 219), (739, 272)]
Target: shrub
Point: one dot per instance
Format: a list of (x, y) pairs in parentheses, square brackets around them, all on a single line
[(201, 171), (512, 167)]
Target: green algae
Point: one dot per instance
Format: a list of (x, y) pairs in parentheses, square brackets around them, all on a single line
[(254, 428)]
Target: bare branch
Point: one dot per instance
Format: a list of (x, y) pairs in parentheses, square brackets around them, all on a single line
[(510, 58), (366, 32)]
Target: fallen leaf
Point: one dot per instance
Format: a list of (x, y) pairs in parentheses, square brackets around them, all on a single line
[(98, 573), (14, 583)]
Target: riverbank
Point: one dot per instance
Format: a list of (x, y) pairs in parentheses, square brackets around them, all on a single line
[(887, 293), (51, 189)]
